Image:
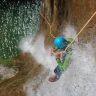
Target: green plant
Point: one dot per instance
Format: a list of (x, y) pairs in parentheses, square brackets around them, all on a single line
[(6, 62)]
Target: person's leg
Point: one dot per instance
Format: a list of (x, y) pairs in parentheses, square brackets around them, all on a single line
[(58, 72)]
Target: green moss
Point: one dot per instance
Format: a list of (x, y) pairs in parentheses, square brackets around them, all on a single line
[(6, 62)]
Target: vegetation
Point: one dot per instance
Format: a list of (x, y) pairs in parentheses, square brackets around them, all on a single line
[(7, 61)]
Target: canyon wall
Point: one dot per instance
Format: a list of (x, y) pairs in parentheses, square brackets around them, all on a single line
[(62, 12)]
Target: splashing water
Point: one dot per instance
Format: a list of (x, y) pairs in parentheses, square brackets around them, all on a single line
[(69, 31), (37, 50), (16, 21), (79, 79)]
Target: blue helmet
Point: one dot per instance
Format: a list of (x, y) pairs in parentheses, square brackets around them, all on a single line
[(60, 42)]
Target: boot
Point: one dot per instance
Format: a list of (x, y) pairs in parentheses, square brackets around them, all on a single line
[(53, 79)]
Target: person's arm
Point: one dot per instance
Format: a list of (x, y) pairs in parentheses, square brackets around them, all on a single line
[(52, 51)]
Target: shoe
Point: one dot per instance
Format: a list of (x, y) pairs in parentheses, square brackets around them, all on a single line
[(53, 79)]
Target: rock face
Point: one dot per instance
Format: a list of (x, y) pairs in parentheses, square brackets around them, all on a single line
[(62, 12), (28, 67), (6, 73)]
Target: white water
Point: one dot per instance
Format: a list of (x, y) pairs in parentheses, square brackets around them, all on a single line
[(41, 54), (6, 73), (79, 79)]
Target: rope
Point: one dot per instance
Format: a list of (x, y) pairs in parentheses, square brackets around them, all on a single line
[(75, 36), (49, 25), (80, 31)]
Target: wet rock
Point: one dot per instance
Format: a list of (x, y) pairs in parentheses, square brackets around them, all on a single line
[(14, 85), (62, 12)]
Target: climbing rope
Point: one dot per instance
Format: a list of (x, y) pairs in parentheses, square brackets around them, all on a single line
[(48, 24), (75, 36), (80, 32)]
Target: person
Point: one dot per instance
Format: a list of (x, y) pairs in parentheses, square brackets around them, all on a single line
[(61, 57)]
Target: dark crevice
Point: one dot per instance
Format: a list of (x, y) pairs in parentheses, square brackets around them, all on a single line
[(61, 7), (62, 12), (52, 6), (66, 15)]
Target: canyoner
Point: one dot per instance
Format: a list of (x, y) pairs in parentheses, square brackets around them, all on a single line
[(62, 57), (62, 50)]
